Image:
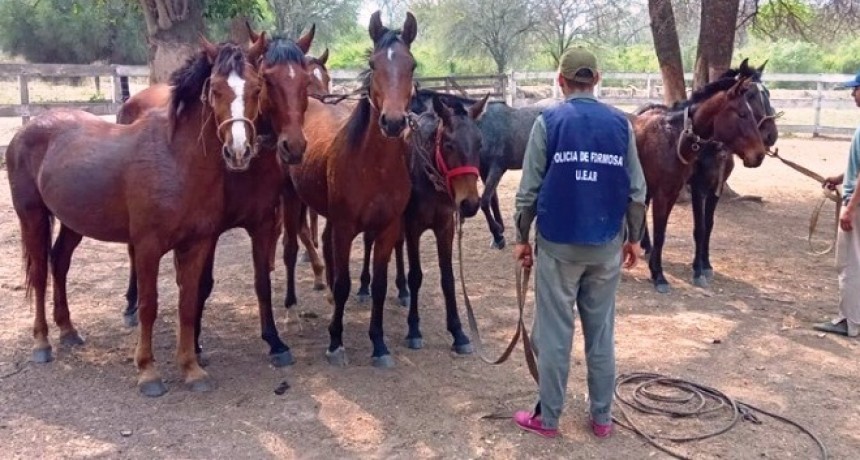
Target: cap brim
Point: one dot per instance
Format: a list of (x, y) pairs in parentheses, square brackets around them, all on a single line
[(850, 84)]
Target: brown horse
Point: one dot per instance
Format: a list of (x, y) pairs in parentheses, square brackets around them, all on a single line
[(355, 175), (444, 166), (670, 143), (253, 196), (320, 86), (148, 184)]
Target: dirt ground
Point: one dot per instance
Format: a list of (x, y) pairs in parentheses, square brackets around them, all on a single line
[(748, 335)]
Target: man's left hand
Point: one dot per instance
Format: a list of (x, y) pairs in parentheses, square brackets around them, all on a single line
[(630, 253)]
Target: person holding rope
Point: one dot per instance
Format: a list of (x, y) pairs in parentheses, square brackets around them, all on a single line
[(847, 239), (581, 177)]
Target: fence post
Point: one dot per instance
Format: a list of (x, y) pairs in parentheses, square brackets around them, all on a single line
[(512, 89), (648, 86), (555, 88), (819, 95), (25, 95)]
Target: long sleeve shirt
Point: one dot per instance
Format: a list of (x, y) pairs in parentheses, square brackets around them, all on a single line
[(534, 170), (849, 181)]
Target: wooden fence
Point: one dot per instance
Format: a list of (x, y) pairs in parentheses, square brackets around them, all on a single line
[(513, 87)]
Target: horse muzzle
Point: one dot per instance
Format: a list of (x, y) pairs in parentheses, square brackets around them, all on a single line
[(237, 160), (291, 151), (392, 126)]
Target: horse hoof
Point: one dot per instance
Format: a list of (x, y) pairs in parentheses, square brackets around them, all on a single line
[(414, 343), (404, 300), (319, 286), (152, 389), (383, 362), (42, 355), (499, 243), (700, 281), (337, 357), (201, 385), (708, 273), (72, 339), (463, 349), (202, 360), (129, 319), (282, 359), (362, 298), (662, 288)]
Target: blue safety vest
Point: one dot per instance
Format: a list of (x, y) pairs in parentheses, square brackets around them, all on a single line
[(584, 194)]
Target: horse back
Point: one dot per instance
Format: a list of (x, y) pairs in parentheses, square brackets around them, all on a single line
[(152, 97)]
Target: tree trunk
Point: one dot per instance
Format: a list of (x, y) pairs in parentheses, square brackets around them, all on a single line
[(716, 41), (172, 34), (239, 30), (668, 50)]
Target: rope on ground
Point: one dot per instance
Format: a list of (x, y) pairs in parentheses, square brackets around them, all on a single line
[(655, 394)]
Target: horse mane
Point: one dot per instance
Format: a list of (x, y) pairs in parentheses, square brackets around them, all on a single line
[(650, 106), (360, 117), (189, 80), (283, 50), (457, 103)]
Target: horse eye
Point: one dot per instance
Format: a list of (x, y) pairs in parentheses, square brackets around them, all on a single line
[(742, 114)]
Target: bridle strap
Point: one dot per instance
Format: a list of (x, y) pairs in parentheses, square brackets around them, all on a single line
[(450, 174)]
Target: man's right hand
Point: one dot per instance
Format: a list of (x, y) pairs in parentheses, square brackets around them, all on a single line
[(832, 182), (523, 254)]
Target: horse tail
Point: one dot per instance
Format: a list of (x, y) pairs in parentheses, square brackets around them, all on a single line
[(36, 252)]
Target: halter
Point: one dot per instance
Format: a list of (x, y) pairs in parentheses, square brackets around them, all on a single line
[(698, 141), (450, 174), (206, 97)]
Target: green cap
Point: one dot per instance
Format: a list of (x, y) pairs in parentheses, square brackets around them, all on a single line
[(575, 60)]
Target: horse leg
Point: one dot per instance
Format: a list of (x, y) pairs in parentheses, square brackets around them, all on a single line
[(291, 215), (698, 198), (661, 210), (129, 314), (276, 234), (61, 258), (497, 213), (337, 242), (190, 264), (261, 245), (36, 239), (711, 201), (207, 282), (645, 244), (311, 253), (414, 339), (363, 294), (383, 245), (146, 260), (490, 184), (445, 251), (400, 277), (313, 230)]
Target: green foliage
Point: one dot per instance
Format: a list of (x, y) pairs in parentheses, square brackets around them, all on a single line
[(226, 9), (80, 32)]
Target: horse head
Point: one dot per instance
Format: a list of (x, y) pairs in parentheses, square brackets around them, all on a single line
[(391, 68), (287, 80), (320, 81), (758, 98), (727, 117), (450, 140), (234, 95)]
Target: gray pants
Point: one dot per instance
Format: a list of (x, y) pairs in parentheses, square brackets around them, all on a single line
[(591, 287)]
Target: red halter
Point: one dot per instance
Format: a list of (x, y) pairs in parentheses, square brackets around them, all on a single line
[(450, 174)]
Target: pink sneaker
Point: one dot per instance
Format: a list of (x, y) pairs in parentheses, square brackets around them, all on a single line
[(601, 431), (528, 422)]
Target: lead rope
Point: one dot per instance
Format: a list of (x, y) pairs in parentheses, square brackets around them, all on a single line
[(522, 280)]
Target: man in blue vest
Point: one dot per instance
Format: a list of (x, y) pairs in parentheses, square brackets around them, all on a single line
[(583, 182)]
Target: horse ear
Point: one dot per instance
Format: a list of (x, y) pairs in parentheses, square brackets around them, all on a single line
[(376, 29), (739, 88), (208, 48), (323, 57), (745, 66), (441, 110), (476, 111), (304, 42), (761, 67), (257, 49), (410, 29), (253, 36)]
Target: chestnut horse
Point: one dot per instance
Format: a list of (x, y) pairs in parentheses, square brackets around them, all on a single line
[(444, 166), (254, 196), (148, 184), (671, 141), (355, 175)]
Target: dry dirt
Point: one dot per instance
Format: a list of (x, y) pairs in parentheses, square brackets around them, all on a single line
[(748, 335)]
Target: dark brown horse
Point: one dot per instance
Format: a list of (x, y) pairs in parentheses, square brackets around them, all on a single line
[(444, 166), (355, 175), (671, 141), (148, 184), (253, 197), (714, 168), (320, 86)]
